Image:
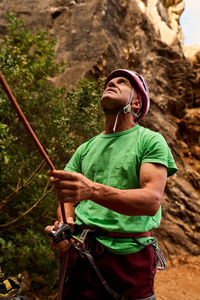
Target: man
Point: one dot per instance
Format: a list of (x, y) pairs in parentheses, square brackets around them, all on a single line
[(115, 182)]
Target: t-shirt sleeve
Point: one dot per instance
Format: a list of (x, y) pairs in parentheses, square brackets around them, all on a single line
[(74, 164), (156, 150)]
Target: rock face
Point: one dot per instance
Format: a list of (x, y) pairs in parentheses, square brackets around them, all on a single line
[(97, 36)]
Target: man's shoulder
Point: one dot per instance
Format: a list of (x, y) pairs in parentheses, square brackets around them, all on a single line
[(93, 139), (150, 138), (146, 132), (89, 142)]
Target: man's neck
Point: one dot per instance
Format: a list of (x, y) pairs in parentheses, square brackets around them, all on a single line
[(125, 122)]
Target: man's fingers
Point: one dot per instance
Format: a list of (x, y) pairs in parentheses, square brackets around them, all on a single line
[(54, 179), (62, 246), (56, 224), (62, 174), (48, 229), (70, 221), (62, 193), (66, 199), (70, 187), (63, 184)]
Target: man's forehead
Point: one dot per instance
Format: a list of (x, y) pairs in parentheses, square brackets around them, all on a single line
[(121, 77)]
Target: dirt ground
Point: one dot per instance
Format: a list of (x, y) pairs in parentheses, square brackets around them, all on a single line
[(181, 280)]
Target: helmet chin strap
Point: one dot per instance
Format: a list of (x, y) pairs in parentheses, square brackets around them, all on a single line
[(126, 109), (116, 119)]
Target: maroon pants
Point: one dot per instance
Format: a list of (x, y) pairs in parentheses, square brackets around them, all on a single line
[(130, 275)]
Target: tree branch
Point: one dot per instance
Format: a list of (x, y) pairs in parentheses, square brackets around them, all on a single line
[(32, 177), (45, 193)]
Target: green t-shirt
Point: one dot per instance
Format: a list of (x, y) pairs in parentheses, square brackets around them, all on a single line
[(115, 160)]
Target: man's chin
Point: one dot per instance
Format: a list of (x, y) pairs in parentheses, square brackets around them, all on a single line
[(111, 108), (109, 103)]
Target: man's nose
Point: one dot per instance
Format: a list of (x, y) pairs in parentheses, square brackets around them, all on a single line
[(111, 83)]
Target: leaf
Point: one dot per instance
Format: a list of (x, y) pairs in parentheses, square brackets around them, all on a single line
[(2, 242)]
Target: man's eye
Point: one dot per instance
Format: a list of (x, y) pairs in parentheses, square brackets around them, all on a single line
[(122, 81)]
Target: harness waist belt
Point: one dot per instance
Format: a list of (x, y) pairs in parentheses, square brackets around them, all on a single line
[(101, 232), (129, 234)]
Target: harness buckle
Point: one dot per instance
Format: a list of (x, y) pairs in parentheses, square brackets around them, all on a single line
[(79, 243)]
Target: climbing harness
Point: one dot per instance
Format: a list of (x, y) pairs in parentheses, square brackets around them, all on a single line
[(83, 246)]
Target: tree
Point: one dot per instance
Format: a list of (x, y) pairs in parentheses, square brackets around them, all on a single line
[(62, 120)]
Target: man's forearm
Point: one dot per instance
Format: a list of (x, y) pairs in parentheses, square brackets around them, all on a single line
[(69, 212), (135, 202), (132, 202)]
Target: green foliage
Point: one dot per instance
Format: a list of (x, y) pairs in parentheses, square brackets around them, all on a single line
[(6, 247), (62, 121)]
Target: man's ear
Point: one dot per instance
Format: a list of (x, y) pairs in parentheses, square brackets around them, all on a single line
[(135, 105)]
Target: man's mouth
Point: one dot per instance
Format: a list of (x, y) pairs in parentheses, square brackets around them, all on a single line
[(110, 90)]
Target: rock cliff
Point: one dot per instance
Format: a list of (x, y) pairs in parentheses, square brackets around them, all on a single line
[(96, 36)]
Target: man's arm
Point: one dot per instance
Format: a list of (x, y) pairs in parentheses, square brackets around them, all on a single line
[(74, 188), (136, 202)]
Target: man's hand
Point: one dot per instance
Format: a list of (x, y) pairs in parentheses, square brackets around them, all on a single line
[(65, 244), (71, 187)]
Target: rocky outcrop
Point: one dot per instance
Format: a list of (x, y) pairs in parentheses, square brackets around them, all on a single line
[(96, 36)]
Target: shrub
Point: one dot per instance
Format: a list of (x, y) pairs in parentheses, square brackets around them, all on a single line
[(62, 121)]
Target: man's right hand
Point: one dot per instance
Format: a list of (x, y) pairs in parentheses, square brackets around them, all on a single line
[(65, 244)]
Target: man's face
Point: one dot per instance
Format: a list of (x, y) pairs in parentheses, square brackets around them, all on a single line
[(116, 94)]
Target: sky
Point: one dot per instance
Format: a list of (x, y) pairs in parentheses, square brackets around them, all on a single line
[(190, 22)]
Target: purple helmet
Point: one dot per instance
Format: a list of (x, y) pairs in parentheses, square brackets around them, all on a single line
[(141, 86)]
